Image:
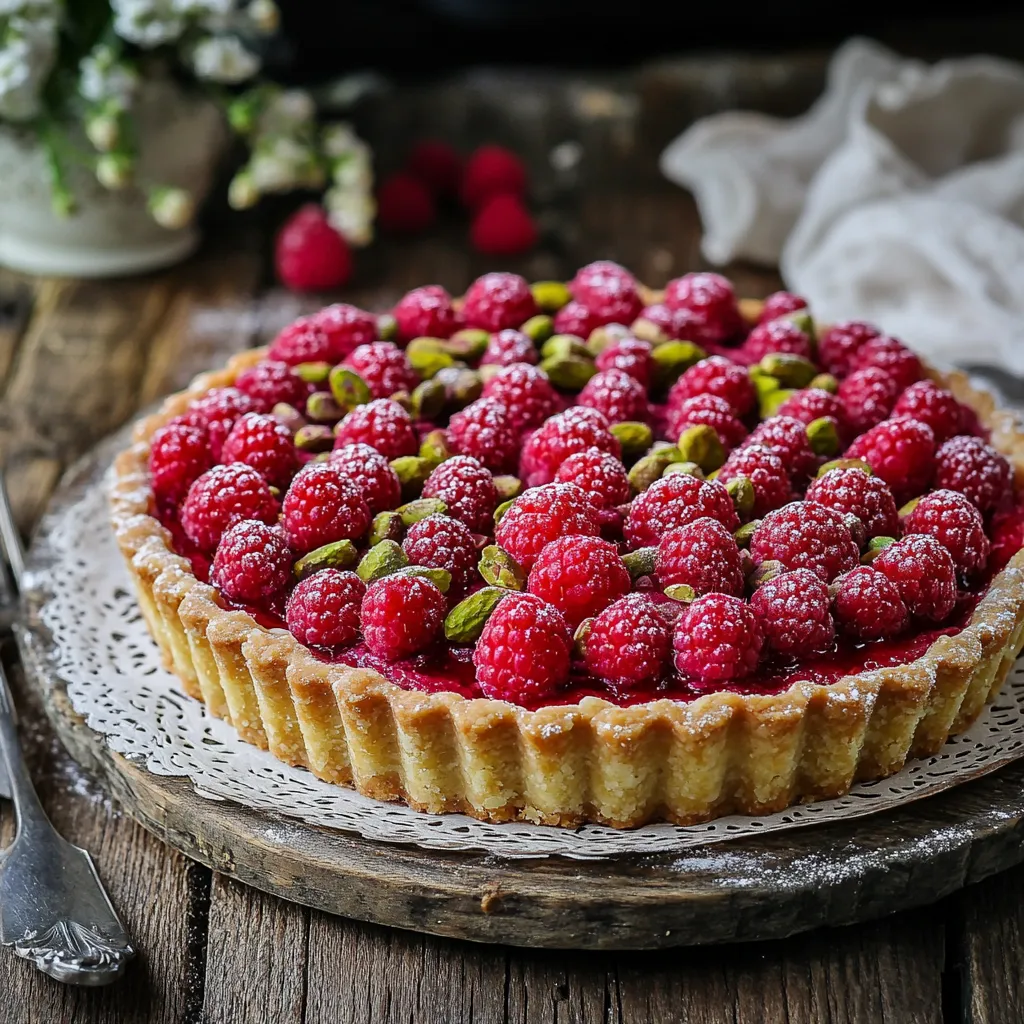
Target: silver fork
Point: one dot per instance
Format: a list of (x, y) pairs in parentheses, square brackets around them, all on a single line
[(54, 910)]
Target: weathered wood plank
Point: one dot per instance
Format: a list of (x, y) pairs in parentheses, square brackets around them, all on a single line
[(16, 298)]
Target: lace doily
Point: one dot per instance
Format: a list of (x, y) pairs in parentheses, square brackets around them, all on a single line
[(94, 639)]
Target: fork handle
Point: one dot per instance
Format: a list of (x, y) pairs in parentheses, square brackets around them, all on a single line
[(27, 806)]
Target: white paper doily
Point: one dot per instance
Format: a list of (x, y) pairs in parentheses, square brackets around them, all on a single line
[(100, 648)]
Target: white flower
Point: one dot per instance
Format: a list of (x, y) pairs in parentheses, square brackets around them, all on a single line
[(283, 163), (242, 192), (354, 170), (264, 15), (27, 53), (101, 79), (103, 131), (114, 170), (351, 214), (147, 23), (172, 208), (224, 59), (339, 139), (286, 111), (50, 8)]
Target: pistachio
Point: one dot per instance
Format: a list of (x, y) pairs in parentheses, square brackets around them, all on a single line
[(550, 296), (905, 510), (275, 491), (289, 416), (312, 373), (570, 372), (466, 621), (348, 388), (314, 437), (764, 384), (681, 592), (673, 358), (339, 554), (539, 328), (647, 330), (465, 386), (875, 547), (412, 472), (580, 637), (502, 509), (508, 487), (413, 511), (469, 344), (802, 318), (684, 468), (741, 490), (500, 569), (789, 370), (767, 570), (381, 560), (822, 435), (750, 310), (634, 437), (640, 562), (562, 346), (860, 464), (322, 408), (441, 578), (825, 382), (386, 526), (387, 327), (601, 337), (700, 444), (427, 400), (746, 532), (434, 447), (404, 399), (427, 361), (652, 465), (773, 401)]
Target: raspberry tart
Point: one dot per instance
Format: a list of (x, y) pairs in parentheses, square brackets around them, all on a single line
[(582, 552)]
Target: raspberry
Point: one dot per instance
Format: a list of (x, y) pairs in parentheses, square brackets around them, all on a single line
[(839, 344), (868, 396), (309, 254), (484, 430), (302, 341), (1007, 533), (525, 392), (901, 451), (541, 515), (795, 614), (437, 165), (779, 304), (441, 542), (492, 170), (382, 424), (523, 653), (178, 455), (713, 412), (711, 299), (810, 404), (766, 472), (580, 576), (927, 403), (956, 524), (717, 639), (503, 227), (616, 395), (270, 382), (264, 443), (574, 318), (703, 555), (802, 535), (401, 615), (924, 574), (868, 605), (384, 367), (498, 300), (221, 497), (787, 437), (216, 413), (323, 610), (322, 506), (252, 563), (632, 356), (467, 489), (975, 469), (854, 492), (370, 473), (629, 642), (716, 376), (892, 356), (673, 501), (404, 205), (777, 336), (683, 324), (425, 312), (661, 316), (600, 474), (574, 430), (508, 347), (608, 291), (347, 327)]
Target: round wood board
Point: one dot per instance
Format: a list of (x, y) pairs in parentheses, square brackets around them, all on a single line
[(762, 887)]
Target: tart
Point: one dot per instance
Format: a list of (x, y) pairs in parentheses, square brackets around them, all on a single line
[(582, 552)]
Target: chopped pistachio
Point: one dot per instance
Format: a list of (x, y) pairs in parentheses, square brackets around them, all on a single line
[(673, 358), (634, 437), (823, 437), (427, 400), (500, 569), (508, 487), (741, 490), (441, 578), (685, 469), (647, 330), (466, 621), (825, 382), (681, 592), (570, 373), (700, 444), (640, 562), (387, 327), (381, 560), (469, 344), (652, 465), (312, 373), (580, 637), (434, 447), (550, 296), (502, 509), (386, 526), (767, 570), (860, 464), (562, 346), (289, 416), (348, 388), (314, 437), (746, 532), (412, 472), (339, 554), (791, 371), (875, 547), (539, 328), (322, 408), (772, 401), (413, 511)]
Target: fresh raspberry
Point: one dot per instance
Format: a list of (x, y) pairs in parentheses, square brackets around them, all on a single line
[(541, 515), (608, 291), (892, 356), (632, 356), (868, 605), (711, 298), (404, 205), (523, 654), (810, 404), (927, 403), (525, 392), (600, 474), (795, 614), (441, 542), (717, 639), (252, 563), (309, 254), (924, 574), (508, 347), (400, 615), (766, 472), (868, 396), (321, 506), (703, 555), (661, 316), (264, 443), (574, 318), (681, 324), (574, 430), (629, 642), (323, 609), (854, 492), (779, 304), (975, 469), (385, 368), (580, 576), (467, 490), (777, 336), (498, 300), (302, 341), (178, 455), (787, 437), (901, 451), (485, 431), (216, 412), (382, 424), (347, 327), (956, 524), (616, 395), (503, 226), (370, 473), (673, 501), (712, 411), (716, 376), (425, 312), (270, 382), (1007, 538), (839, 344), (802, 535), (492, 170), (438, 165), (221, 497)]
